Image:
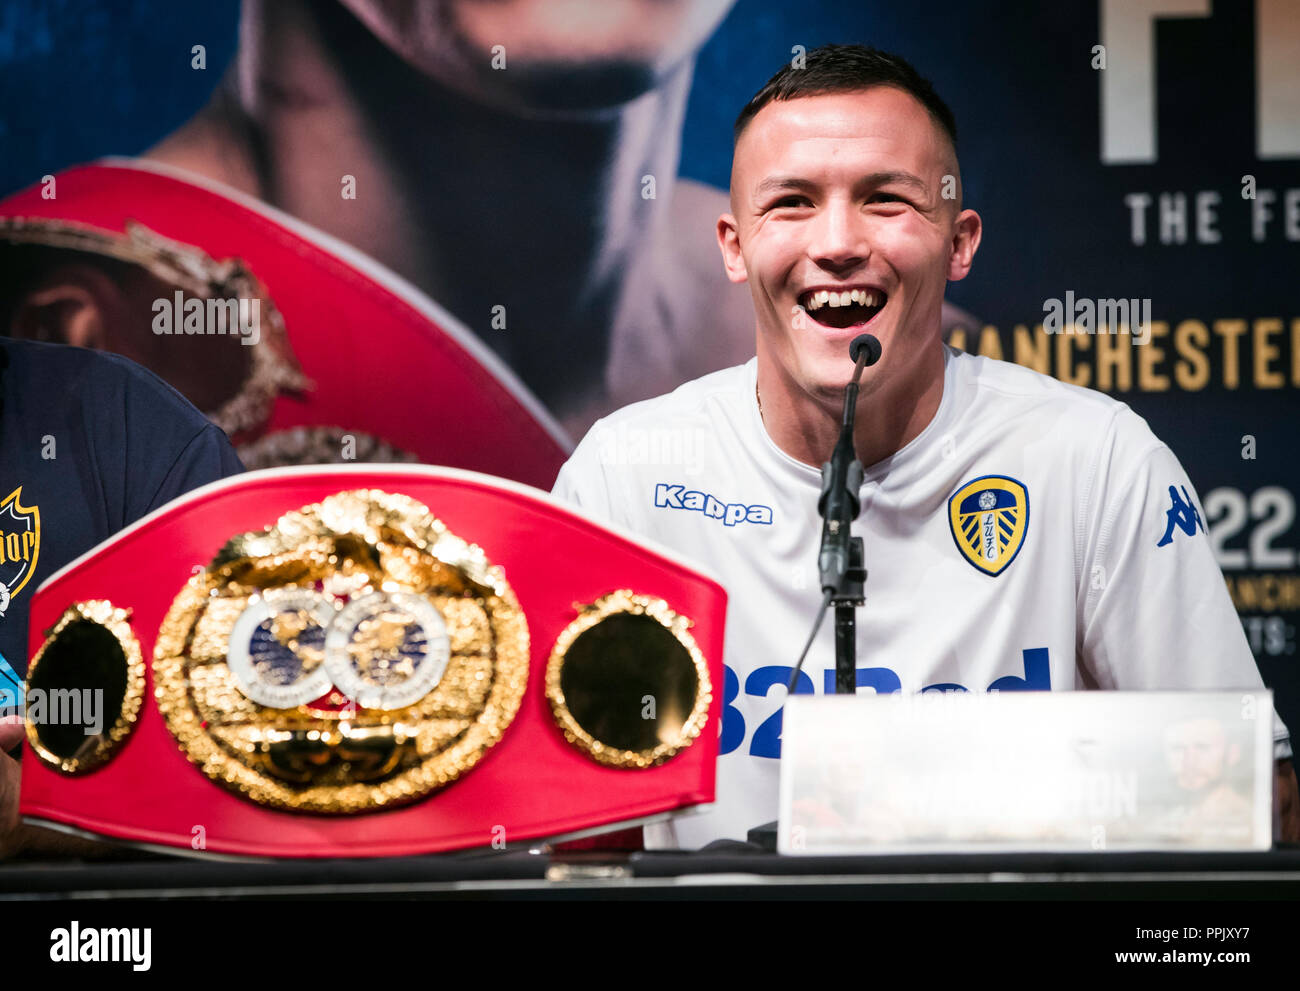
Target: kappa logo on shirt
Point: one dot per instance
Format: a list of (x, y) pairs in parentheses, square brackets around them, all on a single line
[(20, 544), (668, 496)]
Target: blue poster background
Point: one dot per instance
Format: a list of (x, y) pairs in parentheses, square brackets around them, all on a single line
[(1219, 382)]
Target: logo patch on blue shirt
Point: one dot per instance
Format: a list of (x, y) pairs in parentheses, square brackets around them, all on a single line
[(679, 497), (988, 517), (20, 545), (1182, 514)]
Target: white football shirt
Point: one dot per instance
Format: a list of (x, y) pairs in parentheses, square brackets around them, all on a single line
[(1035, 535)]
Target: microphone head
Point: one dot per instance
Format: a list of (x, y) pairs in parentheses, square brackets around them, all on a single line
[(865, 344)]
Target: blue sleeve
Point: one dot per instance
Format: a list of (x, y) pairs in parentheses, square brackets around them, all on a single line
[(206, 458)]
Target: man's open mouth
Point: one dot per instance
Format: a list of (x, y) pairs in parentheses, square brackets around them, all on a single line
[(841, 309)]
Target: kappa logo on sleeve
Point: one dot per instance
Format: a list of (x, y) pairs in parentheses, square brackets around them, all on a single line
[(679, 497), (1183, 514)]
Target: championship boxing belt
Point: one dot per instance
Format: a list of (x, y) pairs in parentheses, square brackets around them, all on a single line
[(347, 353), (369, 661)]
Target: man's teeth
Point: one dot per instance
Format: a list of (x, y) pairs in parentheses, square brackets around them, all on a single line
[(824, 297)]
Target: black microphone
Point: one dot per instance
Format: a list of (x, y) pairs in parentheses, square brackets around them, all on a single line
[(868, 343), (842, 476)]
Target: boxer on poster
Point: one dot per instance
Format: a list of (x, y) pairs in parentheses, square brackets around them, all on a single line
[(429, 157)]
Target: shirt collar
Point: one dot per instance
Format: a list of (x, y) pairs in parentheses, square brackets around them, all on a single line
[(900, 466)]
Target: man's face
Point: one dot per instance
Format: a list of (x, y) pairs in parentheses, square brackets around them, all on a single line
[(559, 54), (1199, 753), (844, 193)]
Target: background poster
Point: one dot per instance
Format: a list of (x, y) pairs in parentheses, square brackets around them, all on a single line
[(1169, 175)]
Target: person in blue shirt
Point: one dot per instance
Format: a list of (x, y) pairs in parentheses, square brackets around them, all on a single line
[(89, 443)]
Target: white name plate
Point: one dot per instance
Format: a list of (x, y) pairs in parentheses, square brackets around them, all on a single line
[(1028, 771)]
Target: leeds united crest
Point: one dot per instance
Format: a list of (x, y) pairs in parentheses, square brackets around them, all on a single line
[(989, 517)]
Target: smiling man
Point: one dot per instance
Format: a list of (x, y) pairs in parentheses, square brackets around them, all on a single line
[(1020, 534)]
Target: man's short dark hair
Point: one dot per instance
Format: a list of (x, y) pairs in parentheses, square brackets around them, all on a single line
[(848, 69)]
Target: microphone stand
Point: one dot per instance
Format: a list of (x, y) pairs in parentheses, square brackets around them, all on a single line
[(843, 570), (846, 600), (840, 560)]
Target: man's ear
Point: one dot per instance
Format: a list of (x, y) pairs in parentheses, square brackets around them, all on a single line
[(67, 307), (729, 244), (965, 242)]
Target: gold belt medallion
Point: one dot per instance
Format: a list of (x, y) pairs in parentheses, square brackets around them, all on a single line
[(355, 656)]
